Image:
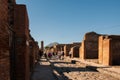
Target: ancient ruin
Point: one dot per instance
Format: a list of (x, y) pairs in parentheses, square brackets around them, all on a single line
[(58, 47), (89, 46), (109, 53), (4, 41), (75, 51), (17, 53), (68, 47)]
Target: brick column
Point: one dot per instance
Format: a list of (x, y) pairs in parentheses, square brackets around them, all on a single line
[(42, 46), (82, 50), (100, 49), (107, 52)]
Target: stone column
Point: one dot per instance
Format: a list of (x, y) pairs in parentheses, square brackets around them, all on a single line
[(107, 52), (42, 46), (100, 49)]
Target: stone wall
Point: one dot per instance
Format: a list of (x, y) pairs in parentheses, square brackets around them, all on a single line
[(36, 50), (21, 27), (68, 47), (100, 49), (89, 47), (4, 42), (115, 45), (109, 53), (33, 53), (75, 51), (58, 47), (14, 64), (82, 50)]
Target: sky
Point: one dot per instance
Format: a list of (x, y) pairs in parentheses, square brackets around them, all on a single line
[(66, 21)]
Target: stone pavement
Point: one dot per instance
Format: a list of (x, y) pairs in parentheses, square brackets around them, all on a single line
[(55, 69), (81, 70), (110, 70), (43, 71)]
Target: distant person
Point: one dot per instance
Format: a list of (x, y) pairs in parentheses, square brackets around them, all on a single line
[(49, 55)]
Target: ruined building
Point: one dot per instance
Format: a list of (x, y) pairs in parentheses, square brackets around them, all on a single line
[(109, 53), (58, 47), (75, 51), (68, 47), (89, 46), (14, 42), (33, 52)]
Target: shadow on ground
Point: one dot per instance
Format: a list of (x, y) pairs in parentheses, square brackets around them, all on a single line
[(62, 70)]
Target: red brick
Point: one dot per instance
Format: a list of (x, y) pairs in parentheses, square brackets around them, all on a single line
[(89, 47), (21, 27), (109, 53), (75, 51), (4, 42)]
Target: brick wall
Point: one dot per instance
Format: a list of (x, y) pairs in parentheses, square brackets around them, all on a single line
[(89, 47), (4, 42), (109, 53), (32, 55), (68, 47), (75, 51), (34, 50), (58, 47), (115, 53), (21, 27)]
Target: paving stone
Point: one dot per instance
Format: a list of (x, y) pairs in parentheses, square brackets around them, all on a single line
[(78, 71)]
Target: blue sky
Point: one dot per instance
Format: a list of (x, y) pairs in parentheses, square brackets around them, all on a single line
[(66, 21)]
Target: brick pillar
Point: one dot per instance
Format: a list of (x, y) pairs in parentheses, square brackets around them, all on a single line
[(82, 50), (65, 51), (42, 46), (100, 49), (72, 50), (107, 52)]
